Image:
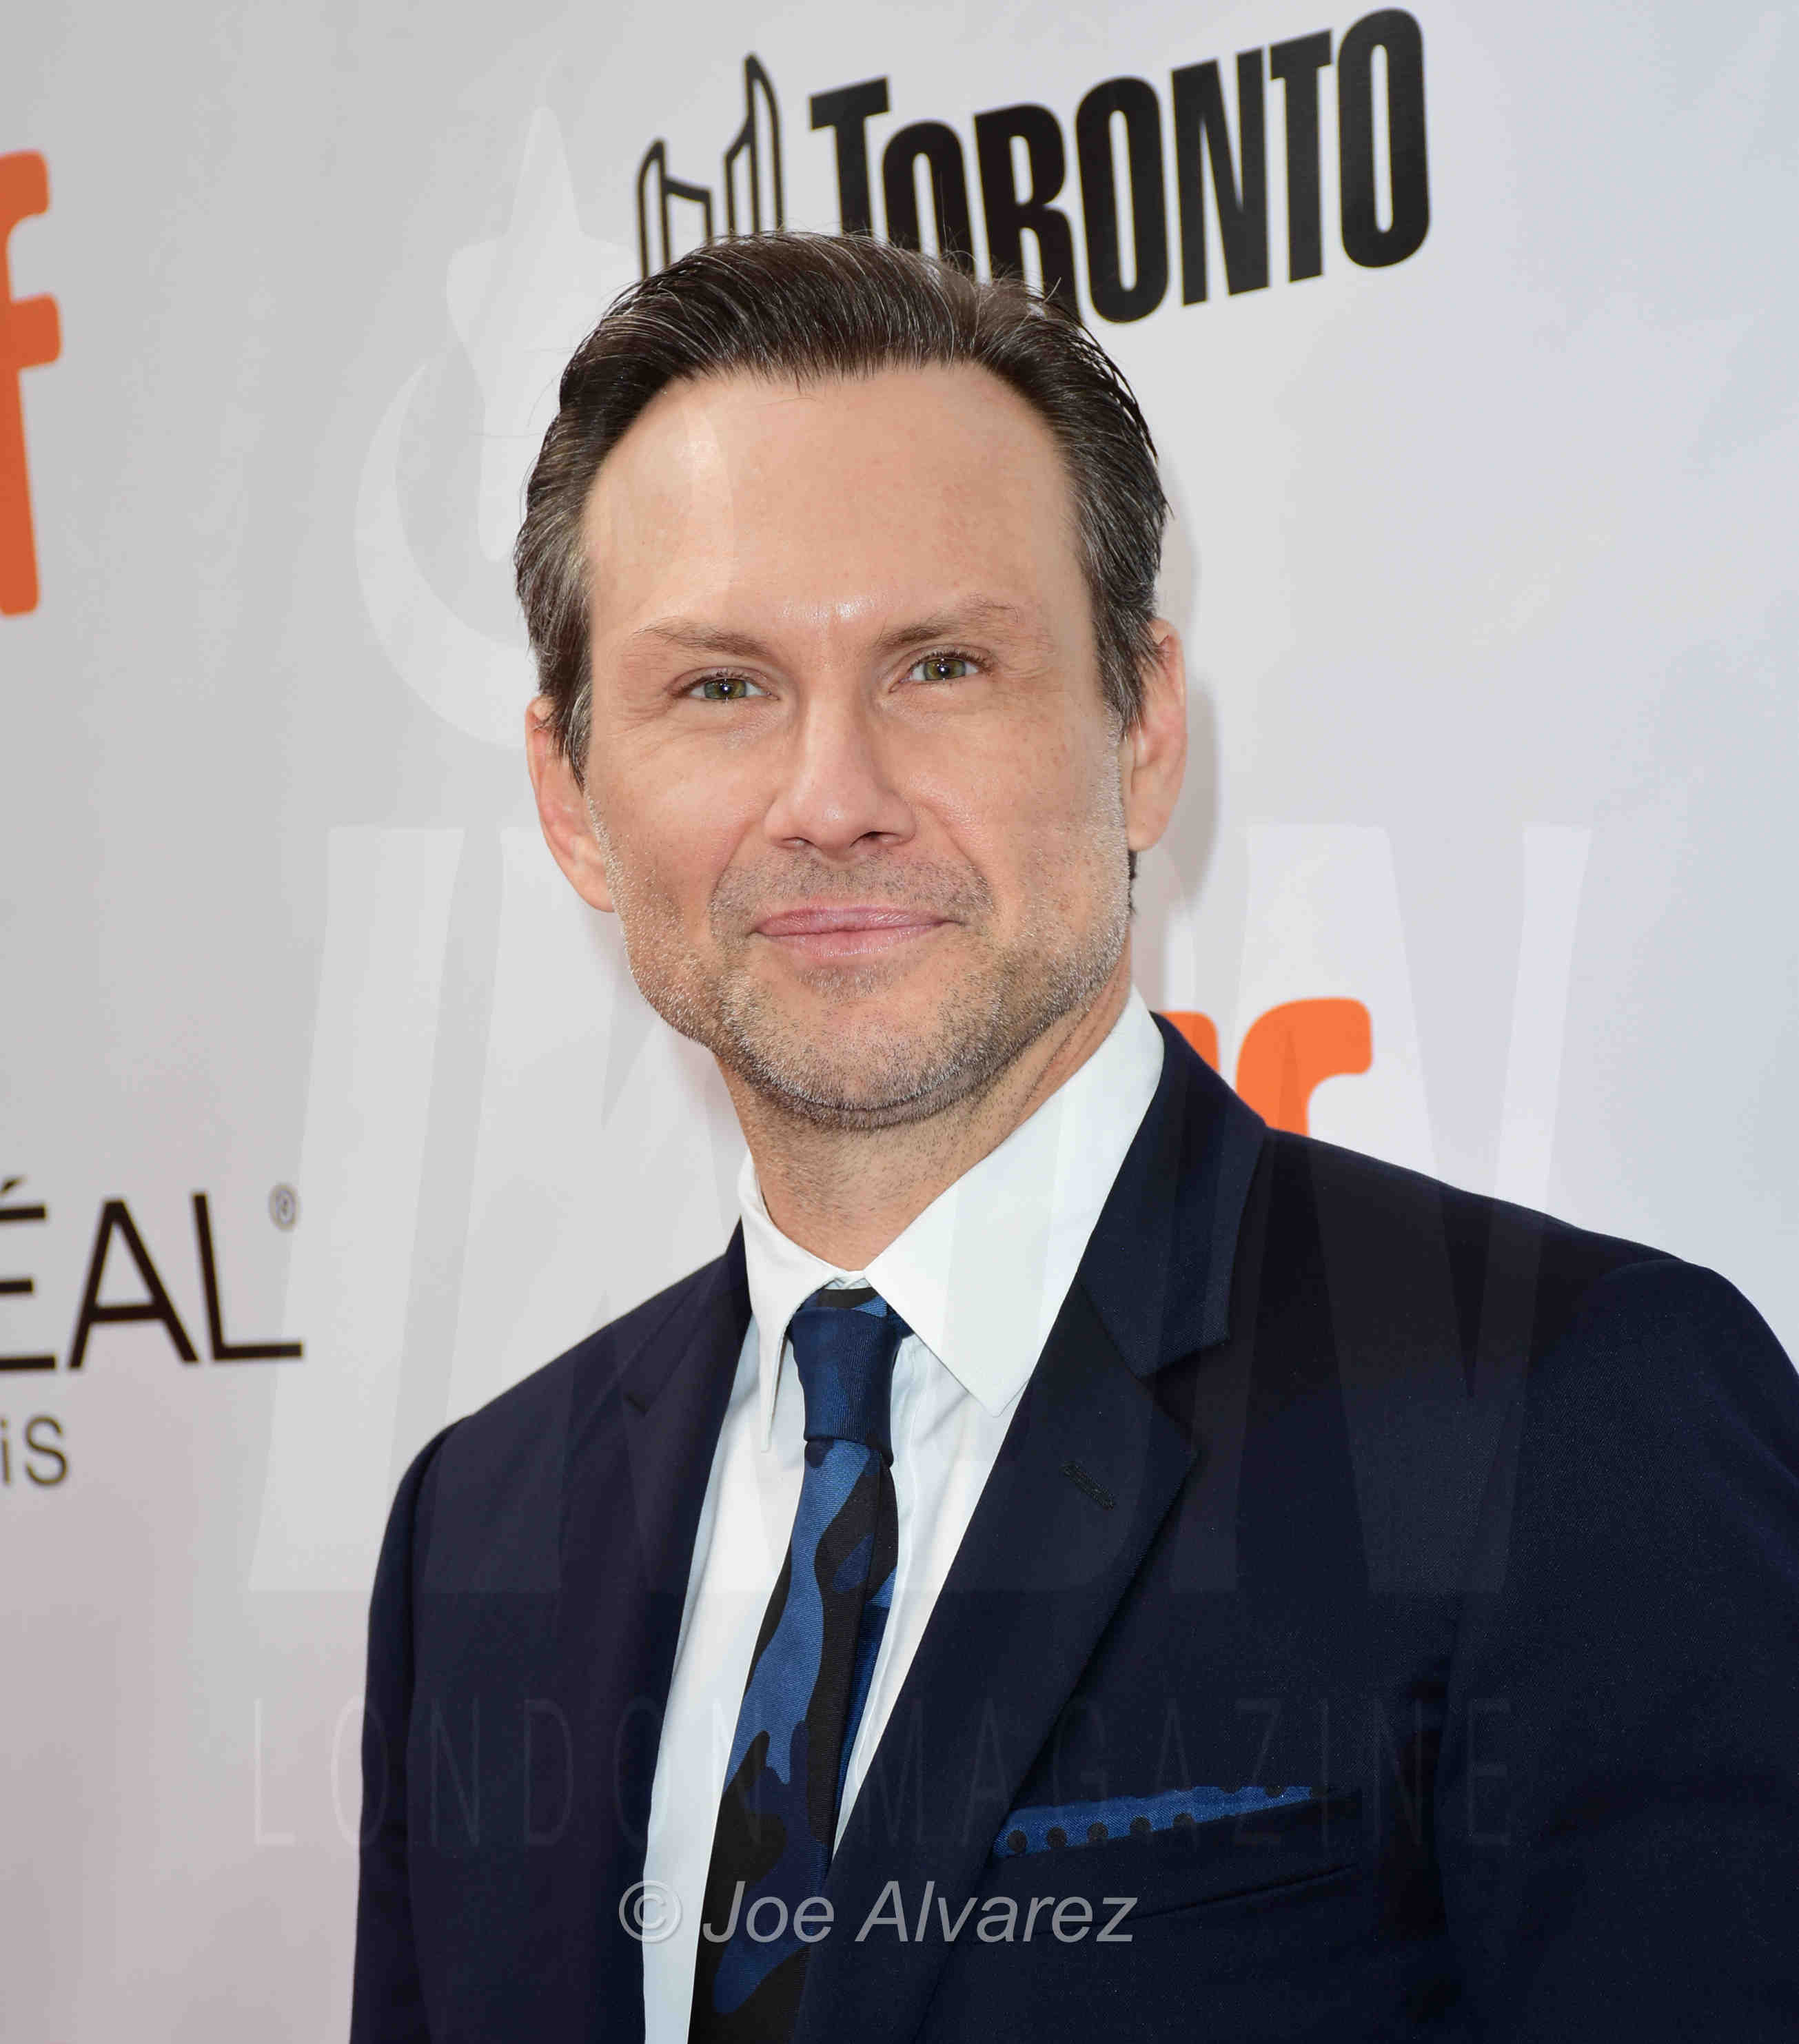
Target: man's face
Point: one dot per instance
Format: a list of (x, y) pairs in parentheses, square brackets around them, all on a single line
[(855, 793)]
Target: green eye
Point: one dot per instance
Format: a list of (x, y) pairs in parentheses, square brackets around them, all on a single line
[(944, 667), (725, 688)]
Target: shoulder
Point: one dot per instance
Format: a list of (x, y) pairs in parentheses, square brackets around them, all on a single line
[(593, 1369), (1478, 1355), (513, 1448), (1390, 1245), (1663, 1378), (1586, 1326)]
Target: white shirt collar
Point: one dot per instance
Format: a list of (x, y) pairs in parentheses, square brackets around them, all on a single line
[(981, 1274)]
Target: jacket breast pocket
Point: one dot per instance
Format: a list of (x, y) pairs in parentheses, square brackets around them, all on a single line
[(1250, 1853), (1250, 1926)]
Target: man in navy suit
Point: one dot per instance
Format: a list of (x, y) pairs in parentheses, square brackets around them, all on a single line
[(1080, 1562)]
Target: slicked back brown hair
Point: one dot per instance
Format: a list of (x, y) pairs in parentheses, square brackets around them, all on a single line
[(810, 309)]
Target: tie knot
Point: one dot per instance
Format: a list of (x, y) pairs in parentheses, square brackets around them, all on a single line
[(845, 1344)]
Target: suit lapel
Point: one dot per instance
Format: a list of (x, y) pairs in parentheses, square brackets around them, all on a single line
[(1089, 1468), (675, 1392), (630, 1517)]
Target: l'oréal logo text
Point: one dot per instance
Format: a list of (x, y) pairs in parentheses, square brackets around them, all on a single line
[(1100, 224), (118, 1241), (36, 1452)]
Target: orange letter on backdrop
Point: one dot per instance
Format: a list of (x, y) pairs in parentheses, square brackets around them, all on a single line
[(1288, 1052), (30, 335), (1296, 1047)]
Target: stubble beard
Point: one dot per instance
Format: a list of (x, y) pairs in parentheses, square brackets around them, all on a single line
[(865, 1073)]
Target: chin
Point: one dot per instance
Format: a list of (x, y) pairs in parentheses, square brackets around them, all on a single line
[(870, 1076), (867, 1047), (862, 1063)]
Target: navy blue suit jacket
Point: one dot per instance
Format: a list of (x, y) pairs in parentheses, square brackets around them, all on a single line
[(1393, 1594)]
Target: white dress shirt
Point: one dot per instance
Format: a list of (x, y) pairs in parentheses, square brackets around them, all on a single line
[(979, 1277)]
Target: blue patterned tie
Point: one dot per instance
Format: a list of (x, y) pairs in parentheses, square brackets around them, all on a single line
[(808, 1680)]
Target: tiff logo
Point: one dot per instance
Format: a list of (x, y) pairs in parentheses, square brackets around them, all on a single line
[(1089, 206), (30, 335), (674, 216)]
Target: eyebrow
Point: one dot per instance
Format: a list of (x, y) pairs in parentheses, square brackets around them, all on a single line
[(692, 636), (978, 614)]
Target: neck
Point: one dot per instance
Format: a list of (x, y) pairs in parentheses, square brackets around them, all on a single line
[(845, 1194)]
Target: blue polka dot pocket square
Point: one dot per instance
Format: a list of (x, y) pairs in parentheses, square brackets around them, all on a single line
[(1050, 1827), (1181, 1848)]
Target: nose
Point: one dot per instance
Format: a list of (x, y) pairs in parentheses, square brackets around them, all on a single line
[(838, 795)]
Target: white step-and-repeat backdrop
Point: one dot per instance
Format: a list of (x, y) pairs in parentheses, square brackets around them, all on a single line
[(1469, 336)]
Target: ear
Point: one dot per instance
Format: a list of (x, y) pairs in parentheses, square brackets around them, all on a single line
[(1153, 753), (562, 809)]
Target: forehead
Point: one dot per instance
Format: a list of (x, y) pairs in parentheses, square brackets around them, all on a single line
[(856, 495)]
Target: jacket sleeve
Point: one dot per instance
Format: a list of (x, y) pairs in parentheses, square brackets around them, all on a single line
[(1618, 1798), (387, 2002)]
